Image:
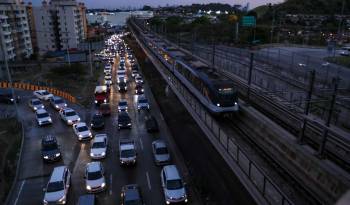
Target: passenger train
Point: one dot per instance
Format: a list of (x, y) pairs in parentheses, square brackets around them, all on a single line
[(216, 92)]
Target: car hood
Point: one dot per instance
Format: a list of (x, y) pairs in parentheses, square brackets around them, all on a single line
[(75, 117), (85, 133), (39, 106), (162, 157), (50, 152), (128, 158), (95, 183), (61, 105), (98, 151), (48, 96), (97, 122), (54, 196), (143, 104), (175, 194)]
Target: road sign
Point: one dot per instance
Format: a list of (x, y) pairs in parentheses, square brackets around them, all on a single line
[(249, 21)]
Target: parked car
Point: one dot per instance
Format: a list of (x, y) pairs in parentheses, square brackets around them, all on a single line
[(94, 177), (131, 195), (127, 152), (69, 116), (160, 152), (151, 124), (42, 94), (105, 109), (58, 186), (99, 146), (35, 104), (82, 131), (43, 117), (124, 121), (50, 150), (97, 121), (173, 186), (57, 103)]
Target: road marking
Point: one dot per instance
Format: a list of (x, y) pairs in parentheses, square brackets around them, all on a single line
[(141, 143), (110, 185), (20, 190), (148, 181)]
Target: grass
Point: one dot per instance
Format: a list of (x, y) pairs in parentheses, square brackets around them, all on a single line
[(74, 79), (340, 60), (10, 143)]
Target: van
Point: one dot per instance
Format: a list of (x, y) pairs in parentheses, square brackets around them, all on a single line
[(173, 186), (58, 186)]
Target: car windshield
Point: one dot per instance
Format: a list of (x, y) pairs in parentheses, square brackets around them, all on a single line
[(59, 101), (226, 91), (82, 129), (162, 150), (48, 147), (42, 115), (55, 186), (174, 184), (127, 153), (97, 118), (123, 117), (94, 175), (36, 102), (71, 113), (122, 84), (98, 145), (45, 93), (123, 103), (143, 101)]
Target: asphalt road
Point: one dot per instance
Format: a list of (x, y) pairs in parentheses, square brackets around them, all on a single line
[(34, 174)]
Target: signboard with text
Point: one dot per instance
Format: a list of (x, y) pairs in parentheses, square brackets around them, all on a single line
[(249, 21)]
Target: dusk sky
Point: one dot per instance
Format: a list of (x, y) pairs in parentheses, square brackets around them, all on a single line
[(139, 3)]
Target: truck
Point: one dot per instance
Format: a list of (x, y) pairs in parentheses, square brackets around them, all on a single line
[(127, 152), (101, 94)]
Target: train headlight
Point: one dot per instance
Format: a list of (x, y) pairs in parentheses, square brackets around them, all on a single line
[(218, 104)]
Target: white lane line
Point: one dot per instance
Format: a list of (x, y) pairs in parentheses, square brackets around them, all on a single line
[(110, 184), (148, 181), (19, 192), (141, 143)]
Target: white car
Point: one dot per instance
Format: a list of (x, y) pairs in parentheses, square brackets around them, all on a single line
[(173, 186), (69, 116), (127, 152), (42, 94), (142, 103), (94, 177), (123, 105), (58, 186), (134, 73), (42, 117), (36, 104), (138, 79), (82, 131), (98, 148)]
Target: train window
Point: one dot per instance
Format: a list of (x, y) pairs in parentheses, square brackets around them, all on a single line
[(226, 91)]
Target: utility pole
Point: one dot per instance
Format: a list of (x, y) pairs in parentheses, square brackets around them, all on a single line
[(67, 48), (341, 21), (90, 58), (272, 25)]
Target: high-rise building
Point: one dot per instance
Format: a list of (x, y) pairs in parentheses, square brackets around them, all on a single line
[(31, 23), (59, 24), (14, 31)]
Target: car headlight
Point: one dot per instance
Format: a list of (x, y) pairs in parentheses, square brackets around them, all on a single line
[(95, 101), (56, 106), (142, 90), (167, 202), (69, 121), (90, 134), (186, 200), (103, 184), (11, 99), (88, 187), (92, 154), (65, 104), (235, 103), (35, 108), (218, 104), (80, 136), (92, 124), (58, 154), (46, 157), (50, 120), (129, 124), (62, 199), (78, 118), (105, 100), (103, 153)]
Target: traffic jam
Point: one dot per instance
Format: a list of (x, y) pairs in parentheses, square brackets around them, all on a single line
[(123, 127)]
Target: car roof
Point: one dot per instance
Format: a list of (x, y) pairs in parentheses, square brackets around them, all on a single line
[(35, 99), (40, 90), (57, 174), (123, 100), (48, 139), (99, 138), (171, 172), (67, 109), (56, 97), (80, 124), (41, 111), (93, 166), (159, 143), (132, 194)]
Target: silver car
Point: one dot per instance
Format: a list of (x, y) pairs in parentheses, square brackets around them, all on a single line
[(173, 186), (82, 131), (58, 186), (160, 152), (36, 104), (98, 148), (42, 117), (94, 177)]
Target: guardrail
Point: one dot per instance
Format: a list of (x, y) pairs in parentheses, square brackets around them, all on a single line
[(27, 86), (267, 189)]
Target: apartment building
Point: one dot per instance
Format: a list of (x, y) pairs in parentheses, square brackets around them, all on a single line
[(14, 31), (59, 25)]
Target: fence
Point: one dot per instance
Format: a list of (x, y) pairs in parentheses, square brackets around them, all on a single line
[(27, 86), (263, 184)]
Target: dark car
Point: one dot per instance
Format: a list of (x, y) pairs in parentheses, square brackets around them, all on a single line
[(122, 86), (50, 150), (7, 97), (88, 199), (105, 109), (139, 89), (97, 121), (124, 120), (131, 195), (135, 67), (151, 124)]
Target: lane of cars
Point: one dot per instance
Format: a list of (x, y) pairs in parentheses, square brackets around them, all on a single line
[(130, 109)]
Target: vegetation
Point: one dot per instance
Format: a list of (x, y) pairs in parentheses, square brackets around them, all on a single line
[(10, 143), (340, 60)]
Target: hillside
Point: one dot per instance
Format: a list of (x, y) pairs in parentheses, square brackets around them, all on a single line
[(313, 6)]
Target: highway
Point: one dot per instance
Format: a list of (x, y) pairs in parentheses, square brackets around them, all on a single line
[(34, 173)]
